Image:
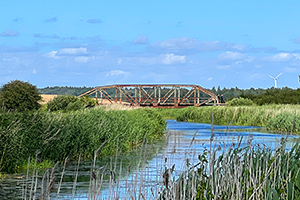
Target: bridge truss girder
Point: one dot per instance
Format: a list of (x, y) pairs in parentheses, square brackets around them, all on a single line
[(175, 96)]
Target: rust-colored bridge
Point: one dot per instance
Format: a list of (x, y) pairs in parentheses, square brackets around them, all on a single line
[(160, 96)]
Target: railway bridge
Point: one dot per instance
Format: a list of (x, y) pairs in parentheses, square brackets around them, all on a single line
[(153, 95)]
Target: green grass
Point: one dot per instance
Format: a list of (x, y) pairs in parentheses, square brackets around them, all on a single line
[(274, 117), (55, 136)]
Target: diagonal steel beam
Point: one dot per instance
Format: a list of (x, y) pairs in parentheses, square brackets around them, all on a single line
[(167, 98), (108, 96), (146, 94), (126, 94)]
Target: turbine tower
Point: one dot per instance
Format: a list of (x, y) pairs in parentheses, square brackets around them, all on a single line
[(275, 79)]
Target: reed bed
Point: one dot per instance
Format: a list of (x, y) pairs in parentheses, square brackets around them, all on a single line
[(58, 135), (250, 172), (283, 118)]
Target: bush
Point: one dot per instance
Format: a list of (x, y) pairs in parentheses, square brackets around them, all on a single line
[(61, 102), (70, 103), (88, 102), (240, 102), (19, 95)]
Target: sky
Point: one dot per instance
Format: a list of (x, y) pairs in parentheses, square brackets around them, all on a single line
[(78, 43)]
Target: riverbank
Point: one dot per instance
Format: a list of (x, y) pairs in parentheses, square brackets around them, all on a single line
[(52, 137), (285, 118)]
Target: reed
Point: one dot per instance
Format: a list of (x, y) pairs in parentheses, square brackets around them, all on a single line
[(242, 172), (267, 116), (58, 135)]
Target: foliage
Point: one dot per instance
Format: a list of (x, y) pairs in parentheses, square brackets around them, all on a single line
[(61, 102), (58, 135), (275, 96), (70, 103), (19, 95), (239, 102), (88, 102)]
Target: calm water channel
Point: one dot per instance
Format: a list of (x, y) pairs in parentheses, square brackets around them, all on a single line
[(139, 174)]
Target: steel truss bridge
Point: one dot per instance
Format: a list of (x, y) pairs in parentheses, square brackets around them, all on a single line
[(160, 96)]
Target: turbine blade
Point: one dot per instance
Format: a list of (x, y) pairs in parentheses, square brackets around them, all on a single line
[(271, 76), (278, 75)]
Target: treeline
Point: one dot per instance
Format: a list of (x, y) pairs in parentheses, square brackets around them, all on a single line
[(275, 96), (64, 90)]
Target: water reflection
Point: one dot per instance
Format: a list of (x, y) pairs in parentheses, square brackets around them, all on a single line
[(140, 174)]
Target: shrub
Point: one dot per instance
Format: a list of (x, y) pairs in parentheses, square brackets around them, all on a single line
[(240, 102), (72, 106), (88, 102), (61, 102), (19, 95)]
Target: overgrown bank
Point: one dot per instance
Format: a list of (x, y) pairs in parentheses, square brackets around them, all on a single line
[(55, 136), (284, 118)]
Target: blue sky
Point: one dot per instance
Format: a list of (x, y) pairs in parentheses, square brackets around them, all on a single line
[(230, 43)]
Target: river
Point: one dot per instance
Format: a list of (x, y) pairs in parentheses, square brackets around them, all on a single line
[(139, 174)]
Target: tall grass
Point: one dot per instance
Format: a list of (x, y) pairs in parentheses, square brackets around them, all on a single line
[(273, 117), (58, 135), (250, 172)]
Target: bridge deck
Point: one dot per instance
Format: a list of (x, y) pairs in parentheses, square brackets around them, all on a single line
[(160, 95)]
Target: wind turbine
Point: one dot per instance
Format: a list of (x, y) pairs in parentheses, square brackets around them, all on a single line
[(275, 79)]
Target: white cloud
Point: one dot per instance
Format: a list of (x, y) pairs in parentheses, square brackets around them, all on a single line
[(81, 59), (186, 45), (209, 79), (291, 69), (281, 57), (233, 57), (141, 39), (120, 61), (72, 51), (169, 59), (117, 73), (34, 71), (223, 67), (52, 54)]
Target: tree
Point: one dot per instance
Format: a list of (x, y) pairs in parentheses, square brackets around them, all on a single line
[(19, 95)]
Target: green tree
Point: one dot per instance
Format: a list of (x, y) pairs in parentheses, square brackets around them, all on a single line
[(19, 95)]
